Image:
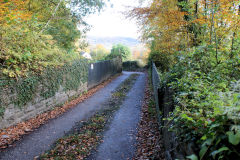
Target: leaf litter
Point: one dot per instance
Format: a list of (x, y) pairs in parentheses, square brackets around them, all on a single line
[(86, 135), (149, 139), (14, 133)]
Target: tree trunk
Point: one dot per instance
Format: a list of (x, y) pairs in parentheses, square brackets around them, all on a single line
[(233, 38), (55, 11), (212, 22)]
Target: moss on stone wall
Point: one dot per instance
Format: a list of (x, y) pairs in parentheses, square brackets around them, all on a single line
[(23, 90), (23, 98)]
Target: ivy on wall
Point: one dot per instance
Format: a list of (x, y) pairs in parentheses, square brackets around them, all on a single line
[(51, 84), (25, 90), (22, 91), (76, 74)]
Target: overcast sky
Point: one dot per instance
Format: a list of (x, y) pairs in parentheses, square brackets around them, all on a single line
[(111, 22)]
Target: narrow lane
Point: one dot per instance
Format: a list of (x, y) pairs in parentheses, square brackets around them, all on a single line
[(119, 142), (41, 140)]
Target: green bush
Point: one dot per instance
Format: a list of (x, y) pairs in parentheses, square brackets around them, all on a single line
[(207, 101), (25, 51), (117, 50), (35, 35)]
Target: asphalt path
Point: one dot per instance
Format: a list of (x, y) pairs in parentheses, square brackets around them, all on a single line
[(40, 140), (119, 142)]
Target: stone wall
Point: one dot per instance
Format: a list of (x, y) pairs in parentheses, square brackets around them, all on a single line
[(14, 114), (25, 98)]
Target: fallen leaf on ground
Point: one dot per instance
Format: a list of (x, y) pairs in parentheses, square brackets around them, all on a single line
[(14, 133)]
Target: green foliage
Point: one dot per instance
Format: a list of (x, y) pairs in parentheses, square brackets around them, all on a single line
[(162, 60), (196, 46), (65, 33), (131, 66), (24, 51), (192, 157), (99, 52), (37, 47), (234, 138), (2, 110), (77, 74), (120, 49), (51, 80), (46, 39), (69, 77), (62, 25), (25, 90), (82, 8), (207, 103)]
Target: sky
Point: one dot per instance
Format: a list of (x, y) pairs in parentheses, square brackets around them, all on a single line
[(111, 22)]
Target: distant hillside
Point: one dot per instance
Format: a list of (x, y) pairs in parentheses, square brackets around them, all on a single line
[(109, 41)]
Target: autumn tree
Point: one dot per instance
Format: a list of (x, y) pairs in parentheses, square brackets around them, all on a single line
[(99, 52), (195, 46), (171, 27), (13, 10), (39, 33)]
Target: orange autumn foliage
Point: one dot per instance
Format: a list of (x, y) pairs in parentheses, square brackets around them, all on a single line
[(12, 10), (177, 24)]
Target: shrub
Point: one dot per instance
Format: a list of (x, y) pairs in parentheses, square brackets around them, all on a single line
[(207, 104)]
